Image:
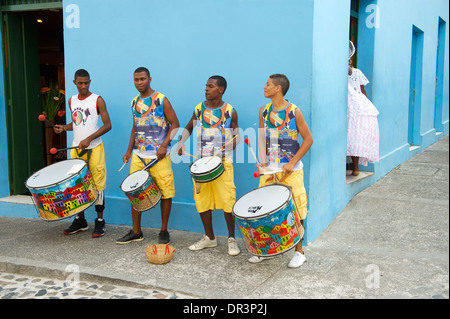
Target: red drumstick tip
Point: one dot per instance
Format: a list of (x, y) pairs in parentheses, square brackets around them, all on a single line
[(42, 117), (256, 174), (246, 140), (53, 151)]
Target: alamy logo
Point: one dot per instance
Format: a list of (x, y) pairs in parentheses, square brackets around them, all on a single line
[(73, 16)]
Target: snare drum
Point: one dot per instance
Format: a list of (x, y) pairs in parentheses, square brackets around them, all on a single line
[(206, 169), (268, 220), (62, 190), (141, 190)]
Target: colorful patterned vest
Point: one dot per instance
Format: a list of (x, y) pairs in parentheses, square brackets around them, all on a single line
[(213, 130), (281, 135), (151, 125)]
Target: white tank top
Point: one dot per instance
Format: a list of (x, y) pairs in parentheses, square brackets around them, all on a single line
[(85, 119)]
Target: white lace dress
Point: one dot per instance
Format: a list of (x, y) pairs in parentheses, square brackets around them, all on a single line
[(362, 122)]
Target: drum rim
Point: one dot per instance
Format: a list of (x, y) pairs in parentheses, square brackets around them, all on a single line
[(207, 172), (210, 179), (148, 177), (54, 184), (69, 216), (268, 213), (141, 211)]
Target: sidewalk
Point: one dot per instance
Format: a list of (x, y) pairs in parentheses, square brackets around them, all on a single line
[(391, 241)]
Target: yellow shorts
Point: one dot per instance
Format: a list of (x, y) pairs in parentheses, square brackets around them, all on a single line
[(217, 194), (295, 180), (96, 162), (161, 173)]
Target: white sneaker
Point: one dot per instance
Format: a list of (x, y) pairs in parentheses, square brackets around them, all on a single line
[(205, 242), (297, 260), (257, 259), (233, 248)]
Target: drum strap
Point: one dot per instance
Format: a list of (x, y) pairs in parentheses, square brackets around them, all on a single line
[(150, 164), (275, 179), (83, 152)]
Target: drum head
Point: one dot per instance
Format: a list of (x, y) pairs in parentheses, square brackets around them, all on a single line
[(205, 164), (134, 181), (261, 201), (55, 173)]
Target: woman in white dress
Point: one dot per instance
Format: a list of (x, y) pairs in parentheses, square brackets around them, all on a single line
[(362, 122)]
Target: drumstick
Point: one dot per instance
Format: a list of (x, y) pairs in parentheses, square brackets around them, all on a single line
[(222, 148), (190, 155), (123, 166), (247, 141), (42, 118), (54, 150), (258, 174), (150, 164)]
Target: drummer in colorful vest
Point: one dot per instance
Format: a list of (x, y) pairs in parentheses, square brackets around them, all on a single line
[(217, 134), (86, 109), (154, 125), (280, 123)]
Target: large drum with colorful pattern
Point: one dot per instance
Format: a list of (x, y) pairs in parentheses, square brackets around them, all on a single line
[(206, 169), (141, 190), (62, 190), (268, 220)]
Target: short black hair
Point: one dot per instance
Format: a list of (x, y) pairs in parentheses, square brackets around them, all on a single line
[(281, 79), (142, 69), (82, 73), (221, 82)]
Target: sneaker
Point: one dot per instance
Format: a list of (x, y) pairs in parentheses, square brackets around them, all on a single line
[(205, 242), (257, 259), (297, 260), (130, 237), (78, 224), (233, 248), (99, 229), (164, 237)]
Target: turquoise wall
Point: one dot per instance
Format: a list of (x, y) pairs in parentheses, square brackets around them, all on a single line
[(184, 43)]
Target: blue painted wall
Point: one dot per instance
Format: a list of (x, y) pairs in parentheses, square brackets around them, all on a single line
[(327, 194), (185, 42)]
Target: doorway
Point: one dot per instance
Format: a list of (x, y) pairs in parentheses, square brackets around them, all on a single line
[(440, 71), (33, 61), (415, 88)]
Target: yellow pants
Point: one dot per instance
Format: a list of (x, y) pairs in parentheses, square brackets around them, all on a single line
[(295, 181), (217, 194), (95, 158), (161, 173)]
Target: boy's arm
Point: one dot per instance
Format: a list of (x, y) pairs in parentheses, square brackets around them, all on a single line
[(187, 131), (127, 155), (304, 131), (234, 131), (262, 139), (174, 125)]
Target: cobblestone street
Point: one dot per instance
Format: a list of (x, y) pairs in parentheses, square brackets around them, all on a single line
[(13, 286)]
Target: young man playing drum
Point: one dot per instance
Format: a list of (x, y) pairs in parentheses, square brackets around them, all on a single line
[(154, 125), (86, 109), (280, 122), (217, 134)]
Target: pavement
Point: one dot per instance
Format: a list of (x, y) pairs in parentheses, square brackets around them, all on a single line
[(391, 241)]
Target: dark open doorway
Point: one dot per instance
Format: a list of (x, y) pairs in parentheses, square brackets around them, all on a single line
[(33, 60)]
